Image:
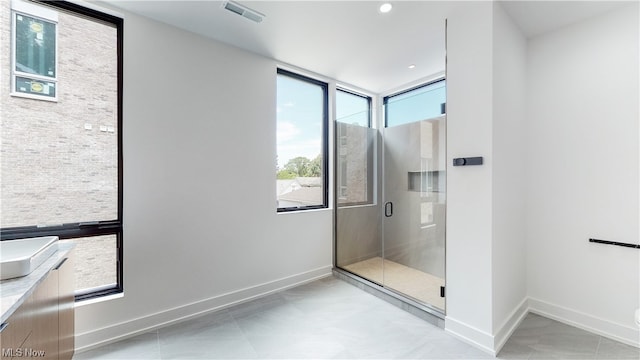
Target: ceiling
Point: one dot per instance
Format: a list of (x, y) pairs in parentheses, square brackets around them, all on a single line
[(537, 17), (351, 41)]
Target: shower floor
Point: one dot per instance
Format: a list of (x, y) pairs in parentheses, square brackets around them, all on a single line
[(414, 283)]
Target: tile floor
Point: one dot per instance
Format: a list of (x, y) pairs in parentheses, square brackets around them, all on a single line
[(331, 319)]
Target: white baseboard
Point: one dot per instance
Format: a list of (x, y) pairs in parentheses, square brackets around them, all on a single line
[(471, 335), (489, 343), (510, 325), (622, 333), (116, 332), (493, 343)]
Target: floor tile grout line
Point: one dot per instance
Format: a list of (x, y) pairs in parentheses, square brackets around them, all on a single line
[(244, 334), (158, 344)]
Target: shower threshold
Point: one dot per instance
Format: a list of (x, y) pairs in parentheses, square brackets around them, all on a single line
[(416, 284), (428, 313)]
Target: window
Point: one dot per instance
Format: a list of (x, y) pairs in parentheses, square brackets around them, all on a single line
[(302, 147), (352, 108), (355, 149), (61, 161), (34, 51), (421, 103)]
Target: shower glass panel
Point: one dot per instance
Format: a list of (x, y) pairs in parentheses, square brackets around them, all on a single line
[(414, 181), (414, 231), (358, 220)]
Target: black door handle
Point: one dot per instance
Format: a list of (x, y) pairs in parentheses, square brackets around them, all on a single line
[(388, 209)]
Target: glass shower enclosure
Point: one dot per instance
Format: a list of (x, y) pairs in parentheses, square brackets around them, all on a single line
[(395, 236)]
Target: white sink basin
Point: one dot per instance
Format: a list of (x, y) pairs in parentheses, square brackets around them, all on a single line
[(20, 257)]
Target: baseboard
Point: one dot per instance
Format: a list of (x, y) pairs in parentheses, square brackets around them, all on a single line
[(510, 325), (116, 332), (492, 344), (606, 328), (471, 335), (489, 343)]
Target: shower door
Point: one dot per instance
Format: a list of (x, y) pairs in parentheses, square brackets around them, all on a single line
[(413, 230), (390, 196)]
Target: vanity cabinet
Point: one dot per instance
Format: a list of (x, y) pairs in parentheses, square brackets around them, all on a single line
[(43, 326), (16, 330), (66, 312)]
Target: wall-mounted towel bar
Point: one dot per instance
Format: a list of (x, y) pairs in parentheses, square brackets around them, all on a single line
[(607, 242)]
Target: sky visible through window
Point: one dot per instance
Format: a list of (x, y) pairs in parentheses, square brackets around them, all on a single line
[(352, 109), (416, 105), (300, 113), (299, 118)]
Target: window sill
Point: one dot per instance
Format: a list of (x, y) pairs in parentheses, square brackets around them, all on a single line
[(298, 211), (100, 299), (34, 97)]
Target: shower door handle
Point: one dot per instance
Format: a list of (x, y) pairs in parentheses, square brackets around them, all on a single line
[(388, 209)]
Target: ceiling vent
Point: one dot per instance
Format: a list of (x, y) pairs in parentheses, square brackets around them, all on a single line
[(243, 11)]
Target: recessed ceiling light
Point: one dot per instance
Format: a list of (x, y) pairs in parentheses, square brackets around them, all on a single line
[(412, 66), (385, 8)]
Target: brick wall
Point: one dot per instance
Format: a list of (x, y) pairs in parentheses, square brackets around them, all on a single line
[(54, 169), (354, 152), (58, 160)]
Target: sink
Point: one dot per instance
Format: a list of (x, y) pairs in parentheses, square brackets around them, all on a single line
[(20, 257)]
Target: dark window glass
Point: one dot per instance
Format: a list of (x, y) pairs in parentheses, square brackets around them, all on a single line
[(35, 87), (35, 46)]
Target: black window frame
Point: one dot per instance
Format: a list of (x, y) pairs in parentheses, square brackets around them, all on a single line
[(94, 228), (325, 141), (369, 103), (385, 99), (371, 160)]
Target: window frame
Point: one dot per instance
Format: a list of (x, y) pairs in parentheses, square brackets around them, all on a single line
[(385, 99), (339, 168), (324, 141), (93, 228), (366, 97)]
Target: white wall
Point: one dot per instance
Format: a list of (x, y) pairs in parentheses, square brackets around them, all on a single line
[(556, 118), (201, 229), (583, 178), (200, 224), (486, 94), (508, 210), (469, 189)]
